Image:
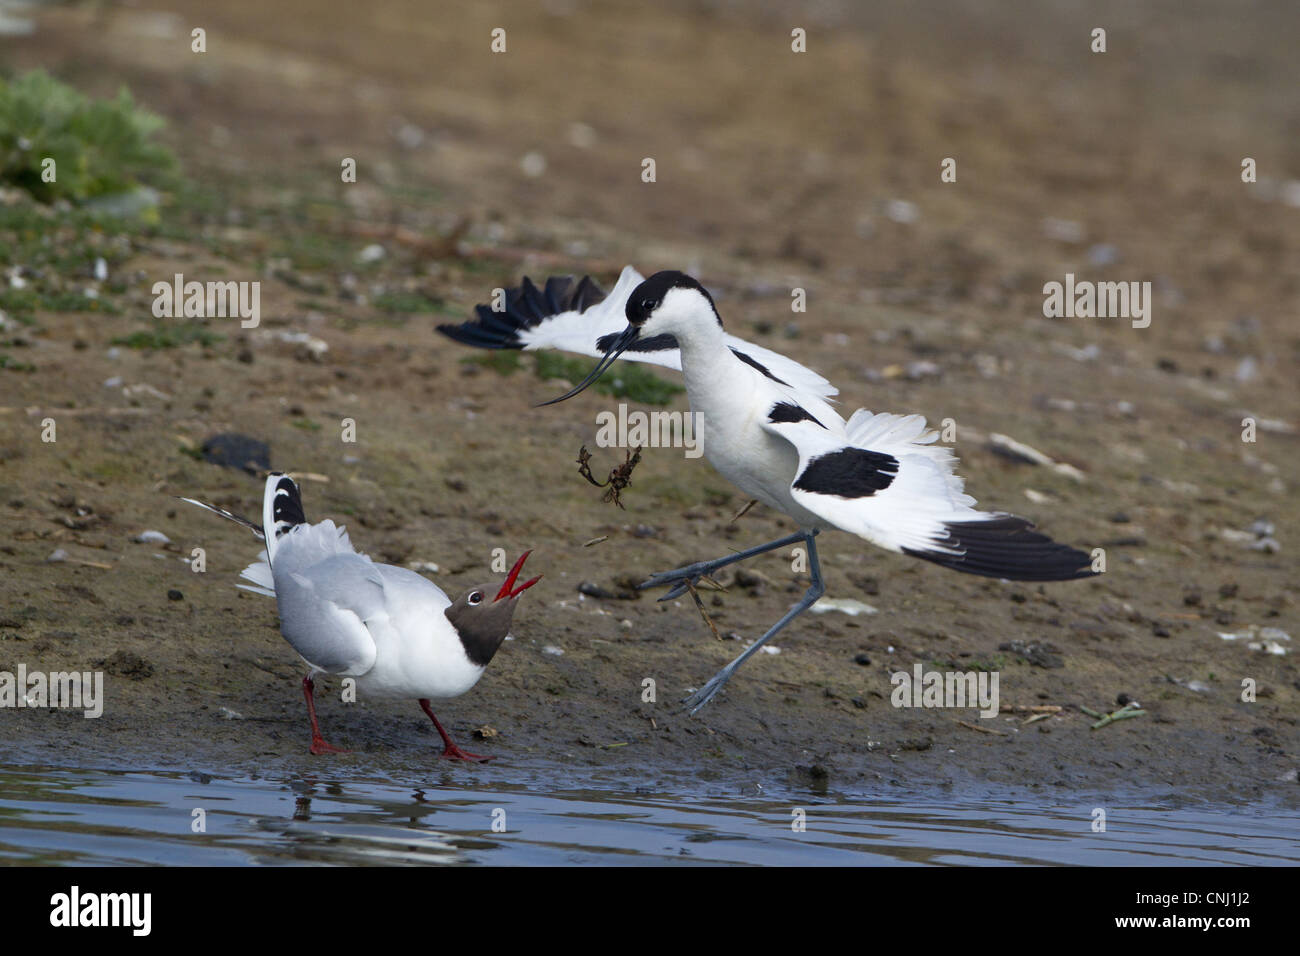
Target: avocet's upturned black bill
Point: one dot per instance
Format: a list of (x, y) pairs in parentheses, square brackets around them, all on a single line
[(616, 348), (393, 631), (766, 425)]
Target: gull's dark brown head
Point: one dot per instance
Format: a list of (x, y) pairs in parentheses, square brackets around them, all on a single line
[(482, 623)]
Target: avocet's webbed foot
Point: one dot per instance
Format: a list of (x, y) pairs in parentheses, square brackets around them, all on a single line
[(706, 693), (683, 579), (815, 590)]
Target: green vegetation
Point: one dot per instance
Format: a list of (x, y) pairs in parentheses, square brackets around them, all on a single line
[(98, 147), (169, 337), (12, 364), (997, 662), (503, 362), (625, 380), (406, 302), (622, 381)]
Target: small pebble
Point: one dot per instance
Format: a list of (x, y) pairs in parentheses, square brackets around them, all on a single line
[(533, 164)]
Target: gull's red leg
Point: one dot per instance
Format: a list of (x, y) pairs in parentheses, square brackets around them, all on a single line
[(318, 744), (451, 752)]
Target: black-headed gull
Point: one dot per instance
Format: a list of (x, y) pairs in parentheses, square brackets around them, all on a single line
[(765, 424), (393, 631)]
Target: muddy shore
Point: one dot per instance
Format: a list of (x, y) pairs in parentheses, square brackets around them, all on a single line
[(922, 298)]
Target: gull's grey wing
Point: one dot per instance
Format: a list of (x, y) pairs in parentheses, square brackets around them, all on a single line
[(327, 612)]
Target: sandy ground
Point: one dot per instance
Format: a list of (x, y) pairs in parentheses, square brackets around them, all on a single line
[(774, 170)]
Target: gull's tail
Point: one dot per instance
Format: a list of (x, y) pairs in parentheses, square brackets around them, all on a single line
[(281, 511)]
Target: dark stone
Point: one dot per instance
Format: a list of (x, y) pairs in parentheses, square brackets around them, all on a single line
[(231, 450)]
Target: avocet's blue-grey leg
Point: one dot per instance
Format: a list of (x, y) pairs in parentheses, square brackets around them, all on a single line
[(680, 578), (815, 590)]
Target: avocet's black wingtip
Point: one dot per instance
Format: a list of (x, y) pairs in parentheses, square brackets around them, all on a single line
[(478, 336), (1007, 547), (524, 307)]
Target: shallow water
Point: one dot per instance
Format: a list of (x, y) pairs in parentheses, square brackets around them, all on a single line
[(113, 817)]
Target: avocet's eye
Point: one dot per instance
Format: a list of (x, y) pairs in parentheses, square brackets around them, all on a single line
[(647, 305), (476, 597)]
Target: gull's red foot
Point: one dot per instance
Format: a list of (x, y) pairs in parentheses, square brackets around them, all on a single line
[(451, 751), (455, 753), (320, 747)]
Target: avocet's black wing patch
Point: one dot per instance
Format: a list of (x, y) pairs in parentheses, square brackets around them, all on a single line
[(790, 412), (885, 479), (754, 363), (1005, 546), (848, 473)]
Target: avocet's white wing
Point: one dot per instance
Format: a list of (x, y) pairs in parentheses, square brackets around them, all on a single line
[(583, 319), (882, 477)]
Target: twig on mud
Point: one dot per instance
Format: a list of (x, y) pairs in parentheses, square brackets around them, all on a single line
[(33, 410), (619, 478), (603, 537), (1030, 709), (983, 730), (741, 513), (690, 586)]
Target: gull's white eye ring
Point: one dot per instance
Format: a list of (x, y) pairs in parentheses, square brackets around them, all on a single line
[(476, 597)]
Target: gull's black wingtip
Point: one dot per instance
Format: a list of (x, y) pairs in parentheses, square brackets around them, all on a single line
[(525, 307), (1007, 547)]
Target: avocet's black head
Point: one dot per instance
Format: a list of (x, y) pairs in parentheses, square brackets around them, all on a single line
[(649, 296), (668, 304)]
